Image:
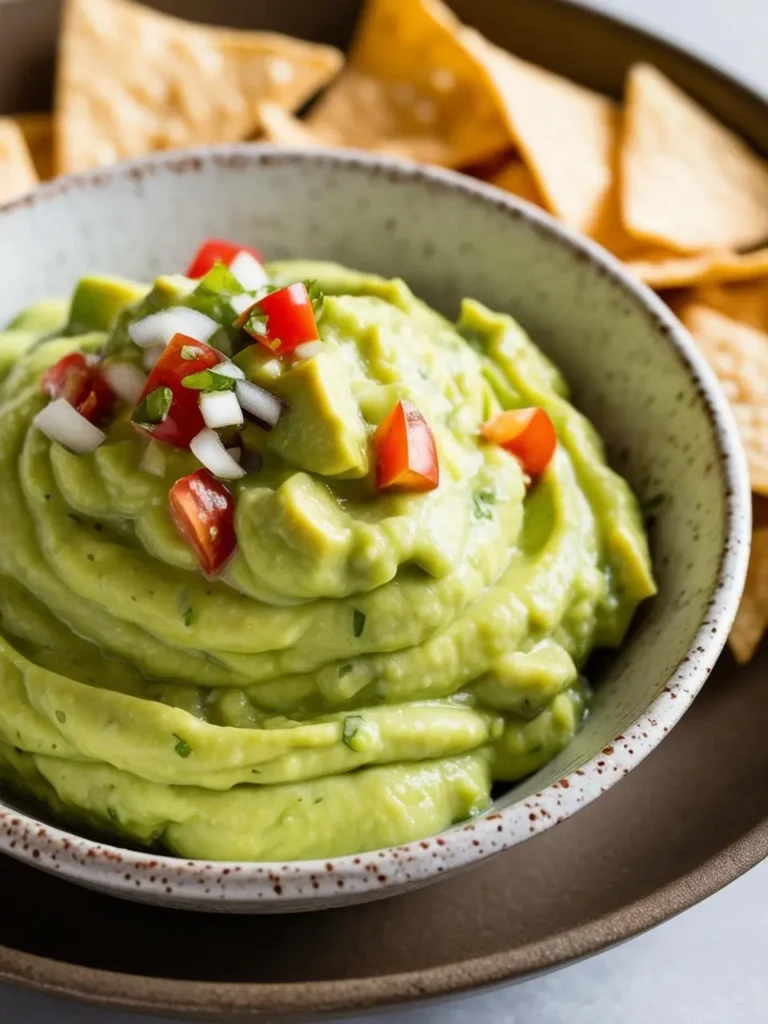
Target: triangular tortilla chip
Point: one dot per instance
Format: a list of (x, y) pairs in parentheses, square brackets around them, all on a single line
[(517, 179), (37, 130), (747, 303), (568, 137), (131, 81), (17, 172), (708, 268), (752, 619), (739, 357), (688, 183), (413, 87), (283, 129)]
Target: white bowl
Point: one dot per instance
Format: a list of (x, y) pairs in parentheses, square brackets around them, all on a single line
[(634, 372)]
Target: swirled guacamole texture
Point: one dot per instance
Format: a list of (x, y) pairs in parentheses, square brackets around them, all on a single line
[(370, 663)]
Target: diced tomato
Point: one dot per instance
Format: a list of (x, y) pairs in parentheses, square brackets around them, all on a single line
[(182, 357), (81, 385), (203, 512), (215, 250), (98, 403), (528, 434), (405, 451), (288, 319), (69, 378)]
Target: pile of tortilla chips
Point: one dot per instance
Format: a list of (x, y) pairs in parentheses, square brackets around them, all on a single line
[(655, 179)]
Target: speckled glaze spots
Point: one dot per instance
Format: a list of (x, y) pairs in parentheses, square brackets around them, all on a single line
[(633, 370)]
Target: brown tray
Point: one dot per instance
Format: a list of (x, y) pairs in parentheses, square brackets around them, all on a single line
[(689, 820)]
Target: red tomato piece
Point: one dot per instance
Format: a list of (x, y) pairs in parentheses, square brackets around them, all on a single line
[(214, 251), (528, 434), (406, 452), (182, 357), (203, 512), (99, 401), (70, 378), (288, 319)]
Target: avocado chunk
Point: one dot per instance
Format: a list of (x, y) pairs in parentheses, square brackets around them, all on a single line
[(98, 300), (46, 317), (322, 430)]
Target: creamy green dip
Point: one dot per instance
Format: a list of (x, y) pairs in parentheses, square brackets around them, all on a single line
[(369, 663)]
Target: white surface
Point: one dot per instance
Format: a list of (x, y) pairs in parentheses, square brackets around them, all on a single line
[(707, 966)]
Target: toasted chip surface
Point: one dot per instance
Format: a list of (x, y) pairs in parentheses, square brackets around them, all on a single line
[(413, 87), (746, 302), (516, 178), (37, 130), (752, 619), (739, 356), (17, 172), (131, 80), (707, 268), (688, 183), (284, 129)]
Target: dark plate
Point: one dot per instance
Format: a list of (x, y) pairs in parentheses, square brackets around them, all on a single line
[(690, 819)]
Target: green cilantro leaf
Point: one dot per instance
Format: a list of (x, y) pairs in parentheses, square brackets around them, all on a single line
[(350, 729), (153, 410), (182, 748), (358, 622)]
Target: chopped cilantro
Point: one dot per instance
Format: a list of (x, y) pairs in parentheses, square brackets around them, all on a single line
[(185, 608), (113, 814), (256, 324), (187, 616), (350, 729), (154, 409), (219, 280), (209, 380), (318, 800), (61, 717), (344, 670), (358, 622), (316, 297), (189, 352), (482, 502), (182, 748)]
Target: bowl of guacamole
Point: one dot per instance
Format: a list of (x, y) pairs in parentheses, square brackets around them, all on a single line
[(295, 565)]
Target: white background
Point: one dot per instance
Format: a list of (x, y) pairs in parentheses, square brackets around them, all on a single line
[(708, 966)]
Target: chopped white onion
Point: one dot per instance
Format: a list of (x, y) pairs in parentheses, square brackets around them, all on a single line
[(159, 328), (126, 380), (63, 423), (235, 453), (153, 459), (208, 448), (151, 357), (248, 272), (220, 409), (91, 359), (240, 303), (227, 369), (258, 402), (308, 349)]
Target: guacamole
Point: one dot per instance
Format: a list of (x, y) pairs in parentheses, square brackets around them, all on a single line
[(370, 660)]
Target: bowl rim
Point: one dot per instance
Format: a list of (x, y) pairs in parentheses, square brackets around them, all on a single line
[(275, 883)]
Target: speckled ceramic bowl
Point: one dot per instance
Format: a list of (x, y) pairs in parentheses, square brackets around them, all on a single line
[(633, 370)]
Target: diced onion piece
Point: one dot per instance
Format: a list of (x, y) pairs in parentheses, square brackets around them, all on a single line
[(258, 402), (228, 369), (61, 422), (308, 350), (91, 359), (151, 357), (240, 303), (126, 380), (159, 328), (153, 459), (208, 448), (248, 272), (220, 409)]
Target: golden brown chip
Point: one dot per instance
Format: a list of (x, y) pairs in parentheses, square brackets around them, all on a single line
[(747, 302), (413, 87), (708, 268), (688, 183), (131, 81), (37, 130), (517, 179), (283, 129), (17, 172), (752, 619), (739, 357)]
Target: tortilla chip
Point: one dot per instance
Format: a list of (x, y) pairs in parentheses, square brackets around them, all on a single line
[(517, 179), (739, 357), (413, 87), (752, 619), (283, 129), (747, 302), (708, 268), (17, 172), (37, 130), (131, 81), (688, 183)]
